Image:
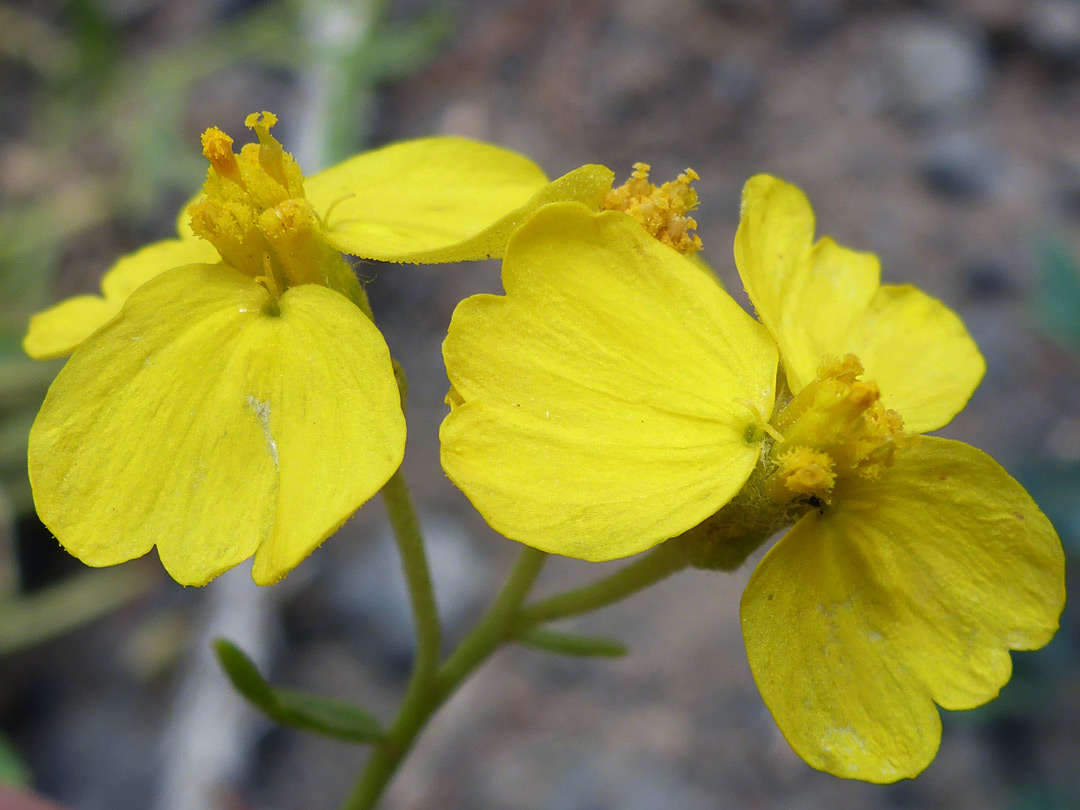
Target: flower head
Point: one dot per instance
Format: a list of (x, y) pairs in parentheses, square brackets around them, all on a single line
[(615, 398), (918, 562), (429, 200), (228, 395), (603, 404)]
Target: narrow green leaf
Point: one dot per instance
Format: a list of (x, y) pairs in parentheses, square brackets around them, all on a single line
[(244, 675), (334, 718), (292, 707), (570, 644)]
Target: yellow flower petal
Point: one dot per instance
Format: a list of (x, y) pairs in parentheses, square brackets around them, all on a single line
[(699, 262), (200, 423), (439, 199), (606, 402), (822, 299), (920, 353), (56, 331), (910, 591)]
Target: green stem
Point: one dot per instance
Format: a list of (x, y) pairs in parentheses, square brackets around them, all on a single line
[(410, 543), (497, 624), (658, 564), (504, 621), (424, 698)]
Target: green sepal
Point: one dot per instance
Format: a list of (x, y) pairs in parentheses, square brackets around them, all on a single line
[(571, 644), (293, 707)]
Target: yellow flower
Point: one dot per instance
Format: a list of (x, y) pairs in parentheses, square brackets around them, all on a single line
[(919, 562), (604, 403), (615, 398), (228, 395), (429, 200)]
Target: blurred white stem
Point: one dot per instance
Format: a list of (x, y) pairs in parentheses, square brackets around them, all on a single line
[(208, 739), (332, 30)]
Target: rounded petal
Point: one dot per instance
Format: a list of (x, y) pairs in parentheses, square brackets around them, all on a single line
[(821, 299), (443, 199), (804, 293), (56, 332), (610, 399), (911, 590), (199, 422), (920, 353)]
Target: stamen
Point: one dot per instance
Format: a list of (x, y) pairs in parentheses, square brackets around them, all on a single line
[(662, 211), (836, 427), (759, 418), (260, 212), (217, 148), (271, 155), (268, 280), (803, 473), (326, 217), (773, 432)]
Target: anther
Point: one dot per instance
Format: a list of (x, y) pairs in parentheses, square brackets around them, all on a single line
[(271, 155), (662, 211), (836, 427), (217, 148)]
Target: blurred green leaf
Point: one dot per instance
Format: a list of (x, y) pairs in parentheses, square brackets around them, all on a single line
[(334, 718), (95, 40), (399, 50), (23, 382), (37, 617), (244, 675), (571, 644), (1055, 486), (14, 431), (348, 69), (34, 41), (1044, 798), (1057, 298), (9, 564), (291, 707), (13, 771)]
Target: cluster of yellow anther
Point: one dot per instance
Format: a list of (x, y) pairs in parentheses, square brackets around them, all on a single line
[(835, 427), (663, 211), (254, 212)]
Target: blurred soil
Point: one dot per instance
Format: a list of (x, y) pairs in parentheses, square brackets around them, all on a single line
[(941, 135)]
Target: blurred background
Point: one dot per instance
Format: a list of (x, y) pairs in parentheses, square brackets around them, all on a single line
[(945, 136)]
